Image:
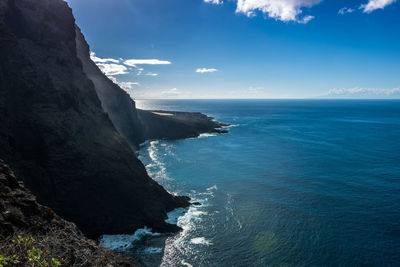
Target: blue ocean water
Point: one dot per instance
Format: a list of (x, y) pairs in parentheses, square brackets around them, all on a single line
[(294, 183)]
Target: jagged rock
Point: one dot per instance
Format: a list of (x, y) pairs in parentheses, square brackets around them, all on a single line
[(20, 214)]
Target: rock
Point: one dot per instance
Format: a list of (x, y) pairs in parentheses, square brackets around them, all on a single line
[(175, 125), (20, 214)]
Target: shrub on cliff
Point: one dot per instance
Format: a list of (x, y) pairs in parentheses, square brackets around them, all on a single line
[(22, 250)]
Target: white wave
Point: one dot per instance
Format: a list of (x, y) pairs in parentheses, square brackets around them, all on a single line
[(205, 135), (200, 241), (156, 168), (230, 126), (198, 213), (186, 264), (184, 244), (174, 215), (153, 150), (214, 187), (123, 242)]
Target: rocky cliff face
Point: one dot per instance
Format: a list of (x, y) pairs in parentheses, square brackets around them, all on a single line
[(59, 133), (21, 215), (115, 102)]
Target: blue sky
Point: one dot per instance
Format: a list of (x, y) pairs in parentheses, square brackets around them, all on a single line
[(246, 48)]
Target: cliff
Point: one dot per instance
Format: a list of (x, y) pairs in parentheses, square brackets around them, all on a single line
[(23, 219), (57, 134), (115, 102)]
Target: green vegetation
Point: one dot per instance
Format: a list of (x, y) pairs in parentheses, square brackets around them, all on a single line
[(25, 251)]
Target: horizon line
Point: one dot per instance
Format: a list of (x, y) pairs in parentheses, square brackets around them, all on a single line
[(390, 99)]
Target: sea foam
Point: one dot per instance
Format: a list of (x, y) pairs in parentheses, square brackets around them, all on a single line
[(205, 135), (124, 242), (200, 241)]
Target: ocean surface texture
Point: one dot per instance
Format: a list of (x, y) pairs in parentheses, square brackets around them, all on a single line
[(294, 183)]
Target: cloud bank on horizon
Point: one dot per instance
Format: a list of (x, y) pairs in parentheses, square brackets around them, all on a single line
[(364, 92)]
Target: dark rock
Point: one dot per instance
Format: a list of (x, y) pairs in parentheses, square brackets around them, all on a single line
[(158, 124), (115, 102), (45, 226)]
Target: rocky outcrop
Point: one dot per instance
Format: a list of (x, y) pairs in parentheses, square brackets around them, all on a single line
[(157, 124), (56, 135), (21, 215)]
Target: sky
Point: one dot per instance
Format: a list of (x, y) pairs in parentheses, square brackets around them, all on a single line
[(246, 48)]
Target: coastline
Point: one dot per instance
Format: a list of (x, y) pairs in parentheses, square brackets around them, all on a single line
[(125, 244)]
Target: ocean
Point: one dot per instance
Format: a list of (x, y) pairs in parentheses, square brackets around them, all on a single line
[(293, 183)]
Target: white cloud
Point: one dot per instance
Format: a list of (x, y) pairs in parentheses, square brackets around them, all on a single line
[(102, 60), (151, 74), (345, 10), (215, 2), (139, 71), (128, 85), (284, 10), (112, 69), (375, 4), (109, 66), (134, 62), (364, 92), (205, 70), (306, 19)]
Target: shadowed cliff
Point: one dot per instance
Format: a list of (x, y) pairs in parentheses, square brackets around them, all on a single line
[(22, 218), (60, 138), (115, 102)]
